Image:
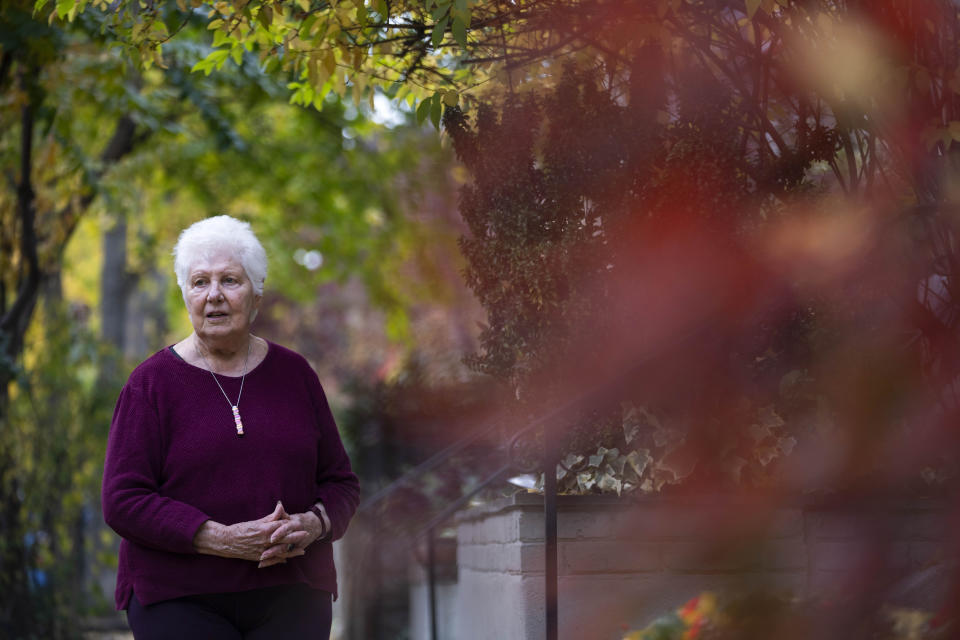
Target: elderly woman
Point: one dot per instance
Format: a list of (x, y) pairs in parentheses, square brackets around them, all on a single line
[(225, 475)]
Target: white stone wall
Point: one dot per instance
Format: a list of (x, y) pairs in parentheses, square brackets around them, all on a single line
[(446, 594), (623, 562)]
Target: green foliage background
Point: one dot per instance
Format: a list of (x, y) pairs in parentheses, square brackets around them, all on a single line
[(333, 182)]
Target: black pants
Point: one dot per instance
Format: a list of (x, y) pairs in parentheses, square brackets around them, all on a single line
[(286, 611)]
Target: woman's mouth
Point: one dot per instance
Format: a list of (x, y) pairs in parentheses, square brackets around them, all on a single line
[(217, 314)]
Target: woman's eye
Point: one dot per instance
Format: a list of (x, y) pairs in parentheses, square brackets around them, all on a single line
[(199, 283)]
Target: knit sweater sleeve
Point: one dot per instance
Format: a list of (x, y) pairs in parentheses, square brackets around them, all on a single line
[(133, 505), (337, 486)]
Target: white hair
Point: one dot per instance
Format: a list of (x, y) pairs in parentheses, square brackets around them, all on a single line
[(218, 234)]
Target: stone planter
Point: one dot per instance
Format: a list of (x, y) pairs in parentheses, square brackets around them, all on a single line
[(625, 561)]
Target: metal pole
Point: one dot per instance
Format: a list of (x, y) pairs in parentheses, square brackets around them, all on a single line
[(550, 533), (432, 584), (374, 611)]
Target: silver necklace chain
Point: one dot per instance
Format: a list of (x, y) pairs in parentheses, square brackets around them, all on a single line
[(235, 407)]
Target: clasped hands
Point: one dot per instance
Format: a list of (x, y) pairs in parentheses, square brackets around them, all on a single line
[(272, 539)]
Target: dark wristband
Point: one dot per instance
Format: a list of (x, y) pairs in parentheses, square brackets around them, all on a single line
[(323, 523)]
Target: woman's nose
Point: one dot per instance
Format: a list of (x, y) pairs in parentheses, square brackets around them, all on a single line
[(214, 293)]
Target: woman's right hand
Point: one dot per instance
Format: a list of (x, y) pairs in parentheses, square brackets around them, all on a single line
[(244, 540)]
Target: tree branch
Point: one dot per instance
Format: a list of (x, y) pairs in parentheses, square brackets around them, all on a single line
[(15, 321), (123, 141), (6, 63), (851, 160), (704, 50)]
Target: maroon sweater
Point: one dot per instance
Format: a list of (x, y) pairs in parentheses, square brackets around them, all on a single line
[(174, 460)]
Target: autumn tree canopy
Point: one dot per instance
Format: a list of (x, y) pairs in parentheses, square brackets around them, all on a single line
[(877, 128), (890, 102)]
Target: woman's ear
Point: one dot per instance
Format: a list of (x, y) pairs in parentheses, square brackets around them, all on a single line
[(257, 298)]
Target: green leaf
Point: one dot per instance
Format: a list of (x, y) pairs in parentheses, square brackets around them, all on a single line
[(586, 480), (608, 483), (216, 59), (459, 30), (308, 24), (321, 93), (39, 5), (571, 460), (271, 65), (752, 6), (220, 38), (438, 30), (451, 98), (639, 460), (423, 109), (330, 62), (618, 464), (295, 96), (265, 17), (436, 110), (204, 65), (64, 7)]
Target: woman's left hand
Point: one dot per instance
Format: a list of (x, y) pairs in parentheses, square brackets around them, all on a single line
[(291, 538)]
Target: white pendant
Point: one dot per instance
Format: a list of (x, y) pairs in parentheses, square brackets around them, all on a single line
[(237, 421)]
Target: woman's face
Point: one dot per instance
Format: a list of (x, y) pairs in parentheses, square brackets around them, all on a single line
[(220, 297)]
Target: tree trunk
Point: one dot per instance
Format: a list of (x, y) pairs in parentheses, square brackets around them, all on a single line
[(15, 612), (146, 314), (114, 289)]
